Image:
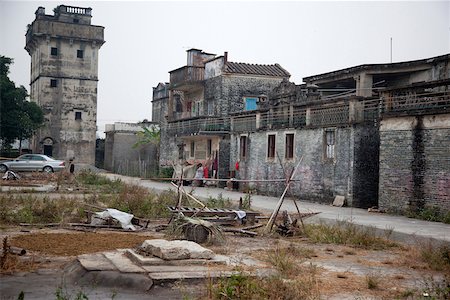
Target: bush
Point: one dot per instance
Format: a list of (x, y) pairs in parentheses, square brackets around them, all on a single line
[(166, 172)]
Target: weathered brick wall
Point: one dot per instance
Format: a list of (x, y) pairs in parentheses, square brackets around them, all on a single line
[(168, 148), (415, 163), (122, 158), (320, 179), (227, 91)]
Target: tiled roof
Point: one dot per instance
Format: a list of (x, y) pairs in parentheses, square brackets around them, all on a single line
[(266, 70)]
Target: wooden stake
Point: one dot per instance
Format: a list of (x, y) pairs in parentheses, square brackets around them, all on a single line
[(280, 202)]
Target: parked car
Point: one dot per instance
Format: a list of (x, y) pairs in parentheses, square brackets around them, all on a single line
[(32, 162)]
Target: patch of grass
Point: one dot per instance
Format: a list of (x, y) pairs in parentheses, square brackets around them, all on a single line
[(347, 233), (141, 202), (219, 202), (372, 281), (33, 209), (430, 213), (436, 256), (287, 260), (90, 178), (244, 287)]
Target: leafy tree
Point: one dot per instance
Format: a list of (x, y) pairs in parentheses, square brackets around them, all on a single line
[(150, 135), (19, 118)]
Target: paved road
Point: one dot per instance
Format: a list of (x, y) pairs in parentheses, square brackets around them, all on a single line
[(403, 229)]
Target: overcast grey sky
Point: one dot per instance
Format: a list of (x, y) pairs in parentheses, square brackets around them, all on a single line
[(146, 39)]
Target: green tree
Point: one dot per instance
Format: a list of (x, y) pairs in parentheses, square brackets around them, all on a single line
[(19, 118), (149, 135)]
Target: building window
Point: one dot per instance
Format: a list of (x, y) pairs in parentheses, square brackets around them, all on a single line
[(330, 140), (289, 149), (209, 148), (250, 103), (271, 146), (76, 21), (178, 103), (78, 115), (53, 83), (243, 147), (54, 51), (192, 153), (80, 53), (210, 108)]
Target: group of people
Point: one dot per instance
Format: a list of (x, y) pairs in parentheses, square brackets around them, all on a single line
[(203, 172)]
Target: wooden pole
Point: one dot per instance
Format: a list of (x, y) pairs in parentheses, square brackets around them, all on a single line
[(280, 202), (287, 178)]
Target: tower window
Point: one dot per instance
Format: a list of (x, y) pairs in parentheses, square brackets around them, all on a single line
[(289, 149), (271, 146), (80, 53), (54, 51), (53, 83), (78, 115)]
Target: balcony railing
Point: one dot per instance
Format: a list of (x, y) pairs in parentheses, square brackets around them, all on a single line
[(199, 125), (187, 75)]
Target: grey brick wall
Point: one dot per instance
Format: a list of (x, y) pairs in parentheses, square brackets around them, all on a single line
[(320, 179), (414, 165), (122, 158), (227, 91)]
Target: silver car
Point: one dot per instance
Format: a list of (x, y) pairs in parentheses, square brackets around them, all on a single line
[(32, 162)]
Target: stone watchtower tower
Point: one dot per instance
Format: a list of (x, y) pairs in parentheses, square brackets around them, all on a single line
[(64, 75)]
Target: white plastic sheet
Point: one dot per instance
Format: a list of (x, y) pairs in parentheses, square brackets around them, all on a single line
[(123, 218)]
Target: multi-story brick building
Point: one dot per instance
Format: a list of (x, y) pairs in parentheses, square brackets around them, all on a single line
[(333, 122), (202, 94), (64, 74)]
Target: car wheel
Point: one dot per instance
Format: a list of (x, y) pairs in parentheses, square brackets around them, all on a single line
[(48, 169), (3, 168)]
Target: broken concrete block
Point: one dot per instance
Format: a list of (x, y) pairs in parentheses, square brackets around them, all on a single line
[(195, 250), (176, 250), (162, 249), (339, 201)]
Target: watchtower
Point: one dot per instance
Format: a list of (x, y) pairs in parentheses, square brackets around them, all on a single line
[(64, 74)]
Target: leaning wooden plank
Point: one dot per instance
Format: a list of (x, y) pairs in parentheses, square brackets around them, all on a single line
[(253, 227), (41, 224), (242, 231)]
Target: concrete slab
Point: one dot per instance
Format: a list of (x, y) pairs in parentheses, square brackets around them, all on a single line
[(339, 201), (142, 260), (173, 276), (122, 263), (168, 269), (96, 262)]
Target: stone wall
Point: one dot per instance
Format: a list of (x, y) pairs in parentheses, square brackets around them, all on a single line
[(122, 158), (352, 173), (227, 91), (415, 163)]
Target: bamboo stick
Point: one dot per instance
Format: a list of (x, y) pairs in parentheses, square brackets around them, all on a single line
[(280, 202)]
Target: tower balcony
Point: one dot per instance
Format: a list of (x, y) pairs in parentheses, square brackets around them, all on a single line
[(187, 78)]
